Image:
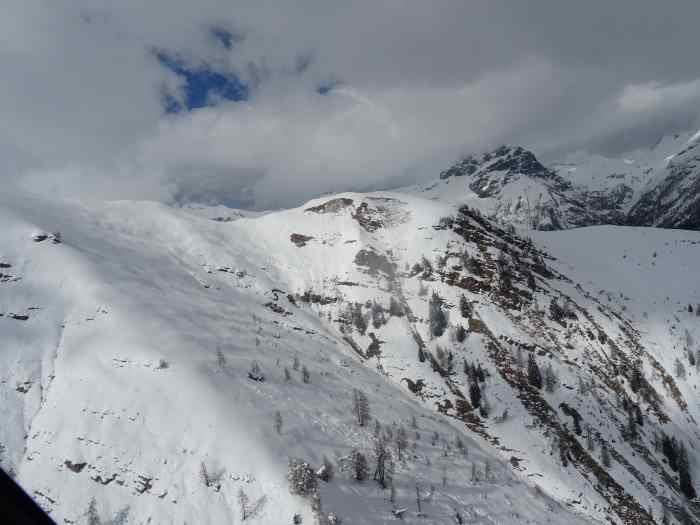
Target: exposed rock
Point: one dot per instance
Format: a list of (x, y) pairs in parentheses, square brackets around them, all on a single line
[(300, 239), (75, 467), (331, 206), (374, 262)]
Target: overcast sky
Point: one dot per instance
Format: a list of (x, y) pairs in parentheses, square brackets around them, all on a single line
[(413, 85)]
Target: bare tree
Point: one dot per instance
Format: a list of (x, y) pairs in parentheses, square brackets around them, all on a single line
[(401, 441), (278, 422), (361, 407), (220, 359), (247, 509)]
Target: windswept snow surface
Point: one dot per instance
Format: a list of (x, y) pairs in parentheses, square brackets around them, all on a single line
[(124, 368)]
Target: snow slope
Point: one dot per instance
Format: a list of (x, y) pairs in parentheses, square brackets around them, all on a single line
[(128, 346), (112, 388)]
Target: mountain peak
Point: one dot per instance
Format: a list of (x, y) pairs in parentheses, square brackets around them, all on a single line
[(511, 160)]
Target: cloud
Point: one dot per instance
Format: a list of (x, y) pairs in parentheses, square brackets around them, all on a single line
[(413, 85)]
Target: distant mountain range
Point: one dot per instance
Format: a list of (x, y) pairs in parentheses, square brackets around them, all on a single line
[(654, 187)]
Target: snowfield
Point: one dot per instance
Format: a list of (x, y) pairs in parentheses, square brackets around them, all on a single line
[(129, 339)]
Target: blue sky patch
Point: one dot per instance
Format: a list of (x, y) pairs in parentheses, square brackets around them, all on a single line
[(201, 85)]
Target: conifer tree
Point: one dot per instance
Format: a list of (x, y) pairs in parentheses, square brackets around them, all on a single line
[(479, 373), (550, 379), (670, 448), (464, 308), (605, 455), (534, 376), (684, 479), (484, 407), (631, 425), (436, 316), (460, 333), (475, 394)]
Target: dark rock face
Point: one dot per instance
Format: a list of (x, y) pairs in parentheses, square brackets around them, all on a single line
[(517, 160)]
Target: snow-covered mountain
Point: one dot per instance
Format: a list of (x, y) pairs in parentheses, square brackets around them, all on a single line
[(159, 366), (654, 187)]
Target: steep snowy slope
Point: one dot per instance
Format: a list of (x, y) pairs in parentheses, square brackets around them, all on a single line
[(126, 394), (651, 275)]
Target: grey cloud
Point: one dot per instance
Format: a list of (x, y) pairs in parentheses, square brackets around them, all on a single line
[(422, 82)]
